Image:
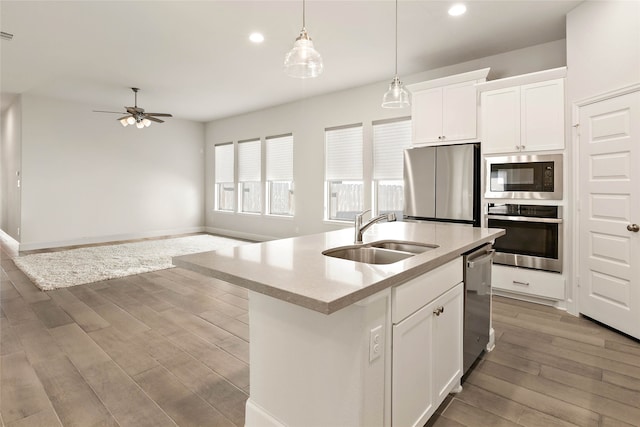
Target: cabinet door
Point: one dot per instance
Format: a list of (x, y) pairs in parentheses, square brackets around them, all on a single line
[(426, 116), (501, 120), (447, 342), (542, 115), (459, 112), (411, 383)]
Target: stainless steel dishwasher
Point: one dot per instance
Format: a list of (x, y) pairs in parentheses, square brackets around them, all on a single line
[(477, 302)]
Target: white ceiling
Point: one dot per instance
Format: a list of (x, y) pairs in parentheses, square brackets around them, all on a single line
[(194, 59)]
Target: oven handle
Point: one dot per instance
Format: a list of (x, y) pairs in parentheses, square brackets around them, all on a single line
[(526, 219)]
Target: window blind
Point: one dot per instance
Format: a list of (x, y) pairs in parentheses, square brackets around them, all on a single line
[(223, 164), (343, 148), (390, 139), (279, 158), (249, 161)]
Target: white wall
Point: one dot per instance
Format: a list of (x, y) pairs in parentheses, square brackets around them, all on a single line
[(10, 151), (85, 178), (307, 120), (603, 47)]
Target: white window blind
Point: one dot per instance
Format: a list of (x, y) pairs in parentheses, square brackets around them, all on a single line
[(344, 153), (223, 154), (279, 158), (390, 139), (249, 161)]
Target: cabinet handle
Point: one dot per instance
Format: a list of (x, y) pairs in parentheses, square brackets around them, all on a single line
[(522, 147), (515, 282), (438, 311), (517, 148), (633, 227), (439, 137)]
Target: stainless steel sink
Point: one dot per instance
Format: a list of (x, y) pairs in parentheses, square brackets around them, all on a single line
[(383, 252), (396, 245)]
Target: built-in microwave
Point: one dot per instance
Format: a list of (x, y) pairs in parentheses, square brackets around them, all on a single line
[(524, 177)]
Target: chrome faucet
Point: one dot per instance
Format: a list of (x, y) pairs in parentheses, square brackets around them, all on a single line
[(359, 228)]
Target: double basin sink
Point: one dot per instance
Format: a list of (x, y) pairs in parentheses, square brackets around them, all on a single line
[(382, 252)]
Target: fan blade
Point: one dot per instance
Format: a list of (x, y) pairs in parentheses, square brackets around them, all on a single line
[(159, 114), (153, 119), (114, 112)]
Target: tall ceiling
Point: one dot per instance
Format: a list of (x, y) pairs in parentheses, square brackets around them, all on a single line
[(194, 59)]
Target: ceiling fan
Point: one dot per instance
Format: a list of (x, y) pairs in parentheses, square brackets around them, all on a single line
[(136, 115)]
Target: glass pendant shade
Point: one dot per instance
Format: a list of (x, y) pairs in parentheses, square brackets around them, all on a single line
[(124, 122), (146, 122), (397, 96), (303, 61), (139, 124), (131, 120)]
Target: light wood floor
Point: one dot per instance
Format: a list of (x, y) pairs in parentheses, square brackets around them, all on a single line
[(171, 348)]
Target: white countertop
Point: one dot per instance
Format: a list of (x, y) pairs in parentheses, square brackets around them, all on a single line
[(296, 271)]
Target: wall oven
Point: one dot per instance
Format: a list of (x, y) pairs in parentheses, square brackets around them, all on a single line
[(524, 177), (533, 238)]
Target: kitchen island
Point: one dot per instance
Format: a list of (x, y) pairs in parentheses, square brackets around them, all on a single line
[(321, 327)]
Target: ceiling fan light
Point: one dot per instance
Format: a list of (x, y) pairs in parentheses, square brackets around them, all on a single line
[(131, 120), (303, 61), (397, 96), (124, 122), (146, 122), (139, 124)]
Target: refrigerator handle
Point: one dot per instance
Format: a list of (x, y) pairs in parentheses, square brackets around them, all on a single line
[(482, 259)]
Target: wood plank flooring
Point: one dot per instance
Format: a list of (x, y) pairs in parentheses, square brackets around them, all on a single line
[(172, 348)]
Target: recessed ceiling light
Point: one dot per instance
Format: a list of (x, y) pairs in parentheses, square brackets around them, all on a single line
[(256, 37), (457, 9)]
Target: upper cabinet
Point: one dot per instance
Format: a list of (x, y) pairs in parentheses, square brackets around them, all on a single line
[(523, 117), (445, 110)]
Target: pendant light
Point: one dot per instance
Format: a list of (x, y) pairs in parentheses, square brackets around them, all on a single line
[(303, 61), (397, 96)]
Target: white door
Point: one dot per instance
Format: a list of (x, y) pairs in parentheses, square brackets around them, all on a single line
[(501, 120), (609, 165), (542, 116), (427, 114), (459, 112)]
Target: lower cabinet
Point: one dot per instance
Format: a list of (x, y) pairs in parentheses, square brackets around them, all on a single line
[(541, 284), (426, 358)]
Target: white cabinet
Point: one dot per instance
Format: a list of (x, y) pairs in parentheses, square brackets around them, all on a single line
[(524, 281), (426, 345), (445, 110), (445, 114), (523, 118)]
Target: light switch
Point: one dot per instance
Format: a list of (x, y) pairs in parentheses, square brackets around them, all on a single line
[(376, 343)]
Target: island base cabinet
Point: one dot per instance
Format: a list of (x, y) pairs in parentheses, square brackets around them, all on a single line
[(426, 359), (312, 369)]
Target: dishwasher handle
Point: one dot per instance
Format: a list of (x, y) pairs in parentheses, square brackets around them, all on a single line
[(481, 259)]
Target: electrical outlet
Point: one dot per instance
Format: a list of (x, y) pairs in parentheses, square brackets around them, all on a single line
[(376, 343)]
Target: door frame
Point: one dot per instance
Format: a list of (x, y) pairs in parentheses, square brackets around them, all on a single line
[(573, 303)]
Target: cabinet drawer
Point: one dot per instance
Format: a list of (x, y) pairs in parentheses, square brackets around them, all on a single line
[(411, 296), (528, 282)]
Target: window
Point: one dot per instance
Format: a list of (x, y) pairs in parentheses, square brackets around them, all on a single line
[(224, 187), (390, 139), (279, 164), (249, 179), (343, 172)]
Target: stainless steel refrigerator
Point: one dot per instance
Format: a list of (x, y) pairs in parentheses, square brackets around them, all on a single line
[(442, 183)]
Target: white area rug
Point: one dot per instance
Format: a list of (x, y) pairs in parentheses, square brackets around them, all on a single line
[(86, 265)]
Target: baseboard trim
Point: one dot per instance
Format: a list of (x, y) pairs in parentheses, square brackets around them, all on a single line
[(257, 416), (30, 246), (239, 234)]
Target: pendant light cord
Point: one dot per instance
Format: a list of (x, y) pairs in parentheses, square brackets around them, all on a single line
[(303, 14), (396, 37)]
